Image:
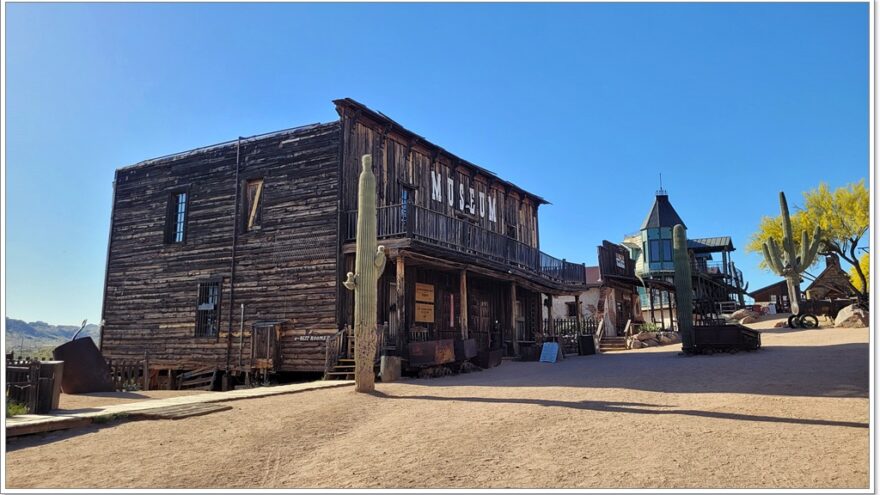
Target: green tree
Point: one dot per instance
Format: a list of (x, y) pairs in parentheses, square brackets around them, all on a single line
[(842, 214)]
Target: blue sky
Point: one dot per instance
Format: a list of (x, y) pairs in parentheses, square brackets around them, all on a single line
[(582, 104)]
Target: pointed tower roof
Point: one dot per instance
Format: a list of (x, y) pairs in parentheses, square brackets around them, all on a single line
[(662, 213)]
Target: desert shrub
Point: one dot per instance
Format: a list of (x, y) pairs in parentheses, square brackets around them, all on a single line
[(14, 409)]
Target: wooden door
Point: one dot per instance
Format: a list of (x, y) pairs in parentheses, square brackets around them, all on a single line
[(264, 338)]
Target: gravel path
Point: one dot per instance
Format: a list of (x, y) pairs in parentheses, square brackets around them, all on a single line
[(794, 414)]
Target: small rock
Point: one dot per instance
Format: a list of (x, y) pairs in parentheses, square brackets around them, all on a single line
[(636, 344), (645, 336)]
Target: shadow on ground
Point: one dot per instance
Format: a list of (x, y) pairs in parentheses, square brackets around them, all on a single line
[(631, 408), (811, 371)]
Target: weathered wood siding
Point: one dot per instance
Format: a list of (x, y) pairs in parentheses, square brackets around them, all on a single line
[(285, 271), (401, 161)]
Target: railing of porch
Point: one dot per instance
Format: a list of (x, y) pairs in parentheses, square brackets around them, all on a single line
[(460, 235)]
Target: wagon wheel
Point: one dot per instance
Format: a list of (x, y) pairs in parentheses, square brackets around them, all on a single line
[(808, 320), (793, 321)]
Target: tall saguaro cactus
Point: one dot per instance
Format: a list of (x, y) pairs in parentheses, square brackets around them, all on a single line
[(788, 262), (684, 292), (369, 264)]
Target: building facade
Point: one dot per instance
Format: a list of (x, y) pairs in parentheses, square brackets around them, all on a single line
[(233, 255)]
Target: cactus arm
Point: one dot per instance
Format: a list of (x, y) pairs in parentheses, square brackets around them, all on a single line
[(771, 262), (350, 282), (776, 257), (810, 255), (802, 256), (380, 261)]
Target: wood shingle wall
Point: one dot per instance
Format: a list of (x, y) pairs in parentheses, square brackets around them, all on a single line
[(285, 271)]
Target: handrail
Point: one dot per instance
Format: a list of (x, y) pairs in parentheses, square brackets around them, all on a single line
[(332, 349), (424, 224)]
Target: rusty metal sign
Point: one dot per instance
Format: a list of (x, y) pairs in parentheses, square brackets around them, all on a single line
[(85, 369)]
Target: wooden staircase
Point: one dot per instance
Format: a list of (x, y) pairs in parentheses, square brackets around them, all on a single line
[(612, 344), (339, 363), (344, 370)]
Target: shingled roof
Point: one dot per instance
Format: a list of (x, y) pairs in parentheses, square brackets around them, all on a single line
[(662, 214)]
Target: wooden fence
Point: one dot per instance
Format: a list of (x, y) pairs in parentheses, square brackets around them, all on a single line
[(23, 382), (128, 375)]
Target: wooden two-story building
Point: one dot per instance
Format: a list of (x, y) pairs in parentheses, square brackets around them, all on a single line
[(232, 255)]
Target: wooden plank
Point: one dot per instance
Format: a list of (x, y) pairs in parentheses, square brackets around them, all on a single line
[(28, 428), (180, 411)]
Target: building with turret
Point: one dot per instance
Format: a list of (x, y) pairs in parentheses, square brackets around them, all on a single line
[(718, 284)]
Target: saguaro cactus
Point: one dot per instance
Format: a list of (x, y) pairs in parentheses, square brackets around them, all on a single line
[(789, 263), (369, 264), (684, 292)]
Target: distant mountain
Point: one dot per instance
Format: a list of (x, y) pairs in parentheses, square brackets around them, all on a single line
[(41, 336)]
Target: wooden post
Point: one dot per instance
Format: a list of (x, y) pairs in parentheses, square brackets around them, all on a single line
[(402, 329), (146, 371), (662, 311), (514, 336), (651, 300), (463, 310), (724, 262), (550, 323), (579, 317)]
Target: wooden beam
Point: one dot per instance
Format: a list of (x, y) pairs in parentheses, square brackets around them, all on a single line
[(651, 300), (463, 306), (513, 319), (551, 327), (401, 303), (579, 317)]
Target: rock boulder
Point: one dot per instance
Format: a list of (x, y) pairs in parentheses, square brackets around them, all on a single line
[(742, 313), (852, 317)]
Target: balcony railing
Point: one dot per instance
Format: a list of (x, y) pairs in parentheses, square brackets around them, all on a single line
[(715, 269), (416, 222)]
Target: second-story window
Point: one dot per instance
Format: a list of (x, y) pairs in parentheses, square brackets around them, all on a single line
[(175, 224), (253, 204)]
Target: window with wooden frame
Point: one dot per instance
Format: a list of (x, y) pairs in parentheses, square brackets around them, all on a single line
[(253, 205), (175, 221), (208, 309)]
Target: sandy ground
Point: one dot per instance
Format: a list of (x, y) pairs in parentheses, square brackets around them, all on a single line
[(71, 403), (794, 414)]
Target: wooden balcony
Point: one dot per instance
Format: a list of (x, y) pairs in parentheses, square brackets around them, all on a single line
[(714, 270), (461, 236)]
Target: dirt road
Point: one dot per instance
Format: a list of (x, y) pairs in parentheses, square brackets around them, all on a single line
[(794, 414)]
